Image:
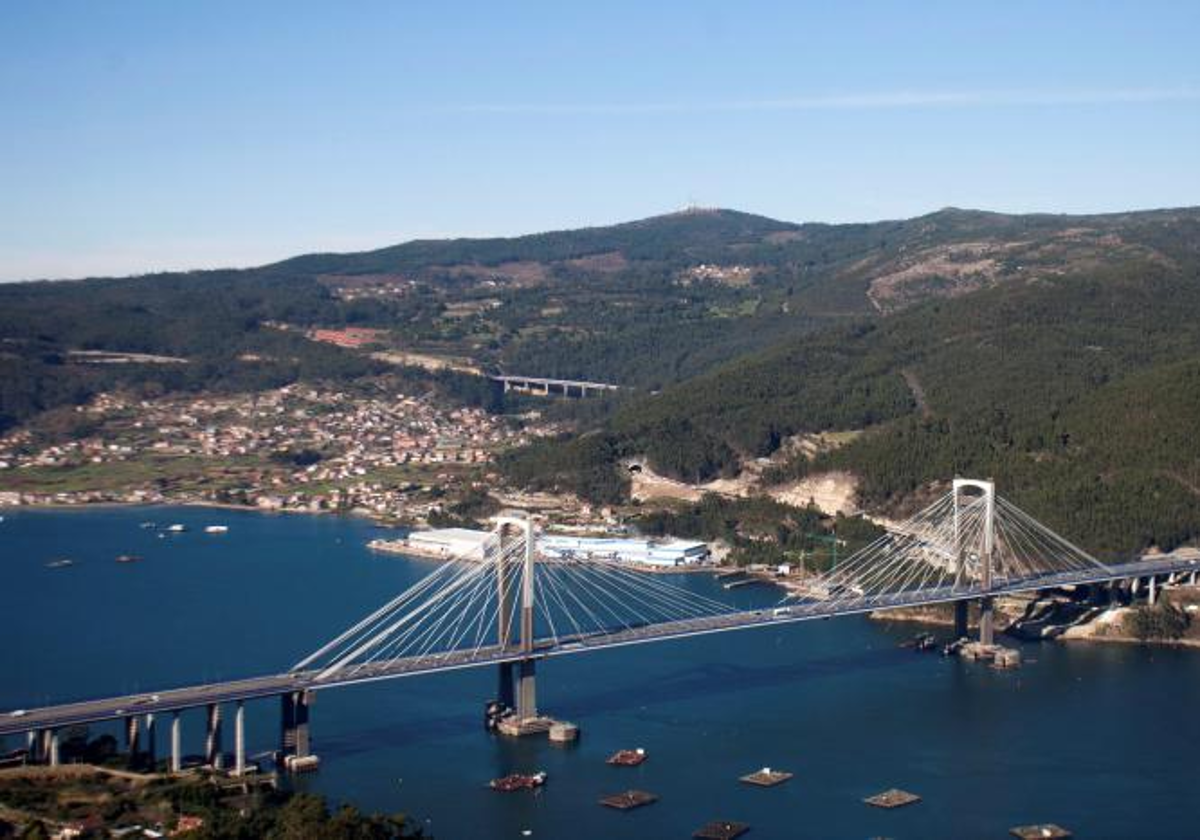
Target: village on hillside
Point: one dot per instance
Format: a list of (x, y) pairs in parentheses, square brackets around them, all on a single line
[(292, 448)]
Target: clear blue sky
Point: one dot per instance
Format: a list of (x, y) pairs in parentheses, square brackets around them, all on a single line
[(137, 136)]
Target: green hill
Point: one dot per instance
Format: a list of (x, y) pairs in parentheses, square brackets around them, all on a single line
[(1072, 388), (960, 341)]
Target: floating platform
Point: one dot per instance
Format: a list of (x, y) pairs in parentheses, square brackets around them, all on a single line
[(627, 758), (518, 781), (894, 798), (766, 777), (721, 830), (1044, 831), (628, 800)]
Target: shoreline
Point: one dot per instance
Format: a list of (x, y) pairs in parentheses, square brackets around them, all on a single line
[(1081, 632), (200, 503)]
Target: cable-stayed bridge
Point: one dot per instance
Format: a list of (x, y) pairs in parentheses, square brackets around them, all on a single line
[(513, 610)]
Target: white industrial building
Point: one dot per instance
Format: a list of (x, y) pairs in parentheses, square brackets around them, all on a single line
[(467, 544), (448, 543), (669, 553)]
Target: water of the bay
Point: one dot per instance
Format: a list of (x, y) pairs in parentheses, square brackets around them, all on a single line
[(1101, 739)]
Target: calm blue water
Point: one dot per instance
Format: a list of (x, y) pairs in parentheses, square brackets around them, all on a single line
[(1099, 739)]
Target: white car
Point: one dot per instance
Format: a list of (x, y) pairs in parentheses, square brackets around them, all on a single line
[(18, 713)]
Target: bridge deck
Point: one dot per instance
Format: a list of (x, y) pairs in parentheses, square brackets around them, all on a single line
[(90, 711), (543, 380)]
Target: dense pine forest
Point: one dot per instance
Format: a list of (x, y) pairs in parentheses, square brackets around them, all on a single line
[(1056, 354)]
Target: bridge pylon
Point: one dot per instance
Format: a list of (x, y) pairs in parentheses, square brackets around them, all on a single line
[(517, 689), (975, 492)]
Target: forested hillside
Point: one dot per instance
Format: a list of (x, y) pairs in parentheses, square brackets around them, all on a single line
[(1074, 391), (644, 304), (961, 341)]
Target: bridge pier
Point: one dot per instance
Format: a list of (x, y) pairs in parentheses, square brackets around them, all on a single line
[(31, 746), (1152, 590), (176, 744), (287, 724), (294, 738), (131, 739), (527, 690), (504, 690), (987, 632), (303, 742), (151, 738), (239, 739), (52, 754), (961, 623), (212, 738)]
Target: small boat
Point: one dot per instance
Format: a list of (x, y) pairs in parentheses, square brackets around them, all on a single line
[(627, 758), (60, 564), (216, 529), (128, 558), (952, 648), (921, 642), (148, 525), (176, 528), (519, 781)]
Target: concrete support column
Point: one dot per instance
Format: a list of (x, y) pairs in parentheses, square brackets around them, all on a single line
[(960, 619), (239, 739), (1192, 578), (1152, 591), (176, 744), (527, 690), (52, 756), (287, 724), (31, 746), (212, 739), (986, 621), (504, 691), (131, 738), (303, 742), (151, 738)]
